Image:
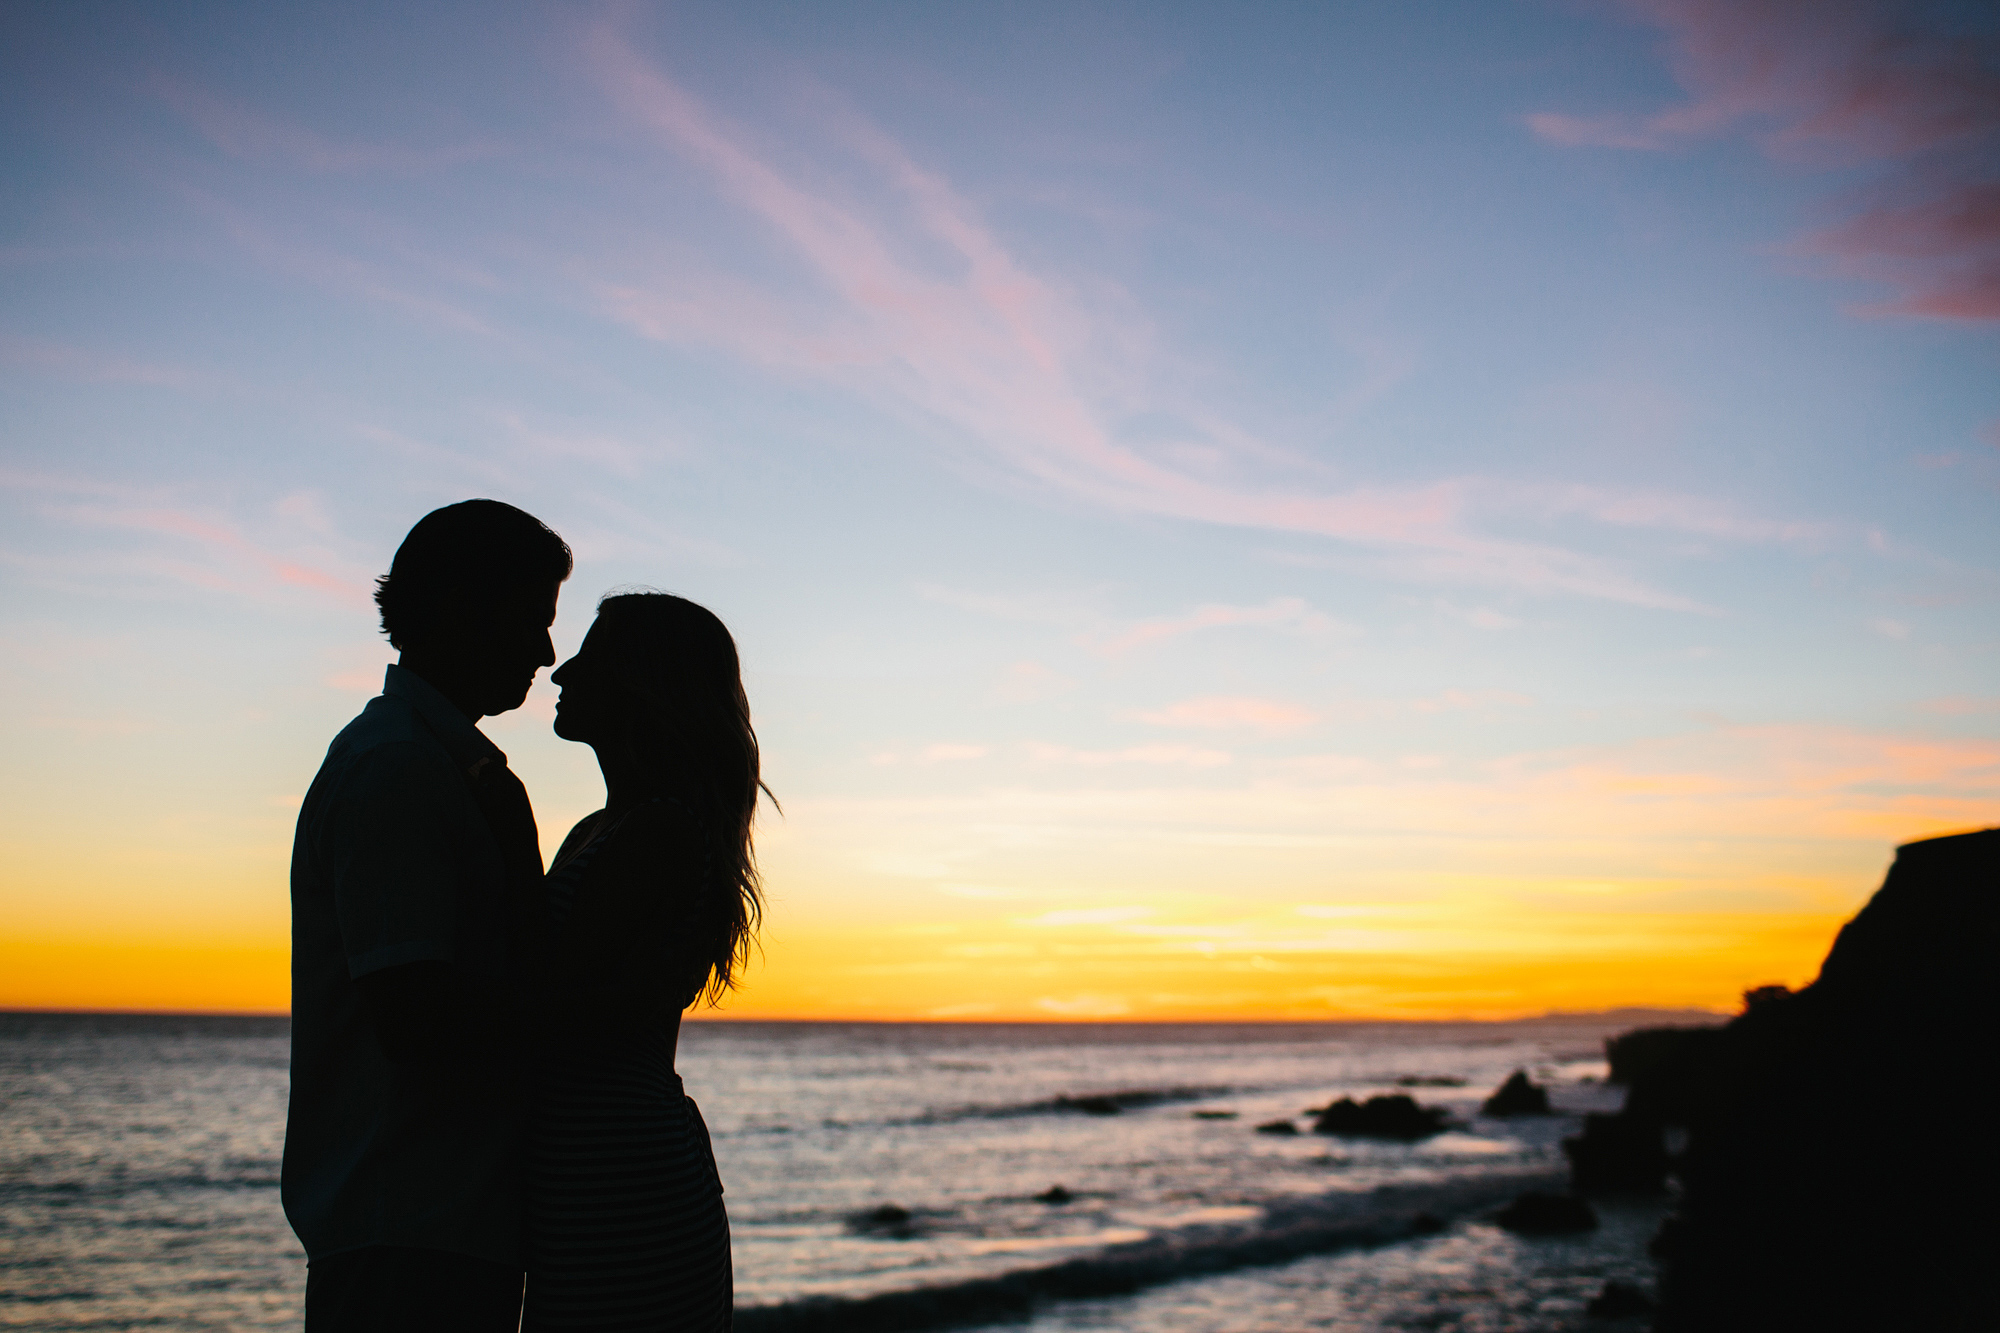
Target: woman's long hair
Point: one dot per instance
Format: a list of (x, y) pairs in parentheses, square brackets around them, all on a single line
[(680, 662)]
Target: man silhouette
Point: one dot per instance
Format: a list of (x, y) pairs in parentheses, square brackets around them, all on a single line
[(414, 873)]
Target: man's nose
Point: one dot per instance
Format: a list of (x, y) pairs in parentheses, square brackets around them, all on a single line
[(548, 652)]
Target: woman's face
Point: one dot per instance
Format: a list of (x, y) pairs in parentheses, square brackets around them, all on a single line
[(593, 704)]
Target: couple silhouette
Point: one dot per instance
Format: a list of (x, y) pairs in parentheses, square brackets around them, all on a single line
[(483, 1080)]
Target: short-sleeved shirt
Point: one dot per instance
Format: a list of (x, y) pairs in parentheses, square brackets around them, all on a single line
[(395, 863)]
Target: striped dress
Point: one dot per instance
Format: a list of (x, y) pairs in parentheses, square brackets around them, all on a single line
[(626, 1228)]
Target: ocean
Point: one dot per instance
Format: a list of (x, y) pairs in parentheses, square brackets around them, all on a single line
[(1056, 1177)]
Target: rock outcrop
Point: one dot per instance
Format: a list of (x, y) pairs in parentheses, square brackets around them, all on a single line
[(1392, 1117), (1517, 1096), (1826, 1187), (1538, 1214)]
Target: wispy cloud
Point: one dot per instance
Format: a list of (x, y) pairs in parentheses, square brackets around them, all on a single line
[(339, 271), (982, 349), (243, 132), (1455, 701), (1855, 81), (75, 363), (1088, 916), (225, 559), (1291, 614), (1046, 608), (78, 363), (1030, 682), (1232, 712), (1169, 756), (1692, 805), (944, 754)]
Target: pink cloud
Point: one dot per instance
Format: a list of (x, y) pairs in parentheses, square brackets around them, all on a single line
[(995, 354), (1942, 254), (231, 561), (1228, 712), (224, 540), (1667, 511), (1847, 81)]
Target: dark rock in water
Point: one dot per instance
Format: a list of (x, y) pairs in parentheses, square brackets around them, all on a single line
[(1055, 1194), (1215, 1115), (1426, 1224), (1277, 1127), (1091, 1105), (1618, 1154), (1539, 1214), (1429, 1081), (887, 1220), (1392, 1117), (1618, 1300), (1825, 1188), (1517, 1096)]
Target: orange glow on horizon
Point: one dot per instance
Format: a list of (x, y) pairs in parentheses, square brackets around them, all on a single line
[(949, 974), (167, 977)]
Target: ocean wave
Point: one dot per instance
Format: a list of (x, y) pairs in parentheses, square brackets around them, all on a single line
[(123, 1184), (1285, 1231), (1092, 1103)]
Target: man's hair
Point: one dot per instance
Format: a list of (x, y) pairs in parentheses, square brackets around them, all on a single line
[(465, 557)]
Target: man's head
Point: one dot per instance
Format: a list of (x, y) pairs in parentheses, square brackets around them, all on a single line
[(469, 600)]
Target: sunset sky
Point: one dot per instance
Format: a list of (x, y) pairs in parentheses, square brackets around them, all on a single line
[(1287, 510)]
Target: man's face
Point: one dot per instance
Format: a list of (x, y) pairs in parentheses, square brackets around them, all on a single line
[(503, 648)]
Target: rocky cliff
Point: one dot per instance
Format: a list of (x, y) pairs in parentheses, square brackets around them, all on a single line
[(1841, 1167)]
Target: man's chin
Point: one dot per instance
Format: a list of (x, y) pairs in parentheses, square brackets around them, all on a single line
[(507, 702)]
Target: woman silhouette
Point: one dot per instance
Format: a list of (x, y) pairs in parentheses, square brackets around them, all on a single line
[(651, 904)]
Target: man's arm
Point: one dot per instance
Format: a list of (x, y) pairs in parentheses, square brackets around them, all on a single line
[(409, 1007), (395, 871)]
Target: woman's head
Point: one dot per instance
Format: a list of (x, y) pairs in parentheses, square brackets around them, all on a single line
[(652, 661), (658, 677)]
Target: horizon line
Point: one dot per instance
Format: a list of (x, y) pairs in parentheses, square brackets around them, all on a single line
[(7, 1011)]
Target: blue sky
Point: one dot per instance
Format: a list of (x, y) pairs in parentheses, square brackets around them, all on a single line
[(1475, 465)]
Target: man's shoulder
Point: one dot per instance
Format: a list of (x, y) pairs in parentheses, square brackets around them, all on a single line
[(387, 737), (387, 720)]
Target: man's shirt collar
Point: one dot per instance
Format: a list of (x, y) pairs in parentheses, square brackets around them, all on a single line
[(466, 744)]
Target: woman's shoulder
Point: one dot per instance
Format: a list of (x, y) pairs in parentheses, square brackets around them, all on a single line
[(583, 826), (660, 818), (579, 833)]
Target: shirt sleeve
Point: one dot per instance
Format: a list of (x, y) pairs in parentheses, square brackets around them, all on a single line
[(394, 857)]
